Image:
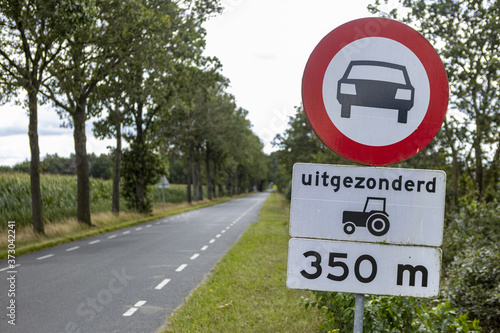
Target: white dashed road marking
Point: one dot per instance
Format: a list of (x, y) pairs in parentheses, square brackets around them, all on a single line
[(72, 248), (196, 255), (136, 307), (181, 268), (162, 284), (45, 257)]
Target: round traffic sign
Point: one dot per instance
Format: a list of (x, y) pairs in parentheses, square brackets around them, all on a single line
[(375, 91)]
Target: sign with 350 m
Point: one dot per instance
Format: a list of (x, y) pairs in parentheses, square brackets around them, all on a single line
[(363, 268)]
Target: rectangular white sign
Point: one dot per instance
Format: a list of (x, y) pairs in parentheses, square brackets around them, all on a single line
[(363, 268), (368, 204)]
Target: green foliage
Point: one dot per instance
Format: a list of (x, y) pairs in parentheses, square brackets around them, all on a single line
[(55, 164), (389, 314), (472, 284), (299, 144), (474, 225), (101, 167), (471, 259), (140, 167)]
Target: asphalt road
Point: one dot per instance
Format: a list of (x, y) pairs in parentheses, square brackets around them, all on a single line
[(128, 280)]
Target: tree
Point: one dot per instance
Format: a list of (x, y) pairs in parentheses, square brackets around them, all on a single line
[(144, 89), (299, 144), (465, 33), (32, 34), (93, 51)]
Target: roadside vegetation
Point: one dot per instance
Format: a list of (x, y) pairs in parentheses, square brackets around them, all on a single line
[(246, 291)]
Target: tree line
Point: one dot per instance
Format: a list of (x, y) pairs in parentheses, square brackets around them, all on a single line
[(138, 67)]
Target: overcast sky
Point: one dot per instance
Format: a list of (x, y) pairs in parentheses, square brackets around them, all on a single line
[(263, 47)]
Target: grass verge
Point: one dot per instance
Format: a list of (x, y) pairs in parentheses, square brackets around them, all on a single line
[(68, 230), (246, 291)]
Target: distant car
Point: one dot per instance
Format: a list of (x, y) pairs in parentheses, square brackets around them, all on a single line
[(376, 84)]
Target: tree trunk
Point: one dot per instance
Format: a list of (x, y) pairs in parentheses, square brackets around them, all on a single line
[(200, 181), (189, 179), (116, 173), (82, 165), (209, 175), (36, 194), (140, 181), (194, 178), (478, 154)]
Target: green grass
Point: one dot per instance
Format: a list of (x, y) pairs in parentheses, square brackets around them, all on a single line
[(246, 292)]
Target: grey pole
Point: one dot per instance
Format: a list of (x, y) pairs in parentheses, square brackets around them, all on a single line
[(163, 195), (359, 309)]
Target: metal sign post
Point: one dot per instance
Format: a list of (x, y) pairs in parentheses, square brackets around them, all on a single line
[(163, 185), (359, 309)]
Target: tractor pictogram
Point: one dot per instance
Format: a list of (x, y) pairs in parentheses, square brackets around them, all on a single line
[(373, 216)]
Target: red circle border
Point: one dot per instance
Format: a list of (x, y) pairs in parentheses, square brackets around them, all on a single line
[(312, 91)]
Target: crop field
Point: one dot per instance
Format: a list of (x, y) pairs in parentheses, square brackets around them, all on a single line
[(59, 197)]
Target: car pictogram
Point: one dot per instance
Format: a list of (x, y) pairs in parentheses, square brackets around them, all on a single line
[(373, 216), (376, 84)]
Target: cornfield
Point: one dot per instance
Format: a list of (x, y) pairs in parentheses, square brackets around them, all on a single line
[(59, 197)]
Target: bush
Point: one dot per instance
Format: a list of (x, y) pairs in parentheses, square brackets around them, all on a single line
[(471, 262), (474, 225), (389, 314), (473, 284)]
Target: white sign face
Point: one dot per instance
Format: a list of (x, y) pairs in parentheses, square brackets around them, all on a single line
[(163, 182), (375, 91), (383, 87), (363, 268), (368, 204)]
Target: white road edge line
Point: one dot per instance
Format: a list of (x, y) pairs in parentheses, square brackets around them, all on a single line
[(181, 268), (162, 284), (45, 257), (72, 248)]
